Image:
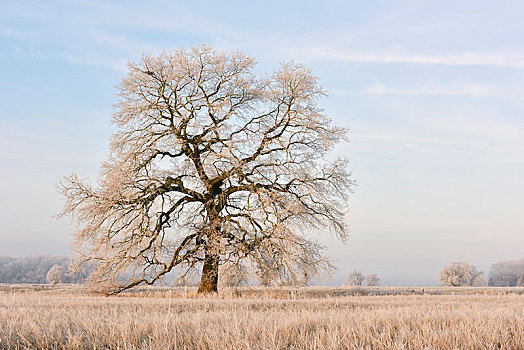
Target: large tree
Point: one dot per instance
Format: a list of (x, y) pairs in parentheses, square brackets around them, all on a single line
[(210, 163)]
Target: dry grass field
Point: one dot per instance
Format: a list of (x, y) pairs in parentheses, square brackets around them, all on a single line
[(312, 318)]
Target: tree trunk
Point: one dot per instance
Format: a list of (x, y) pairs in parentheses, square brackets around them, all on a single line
[(209, 279)]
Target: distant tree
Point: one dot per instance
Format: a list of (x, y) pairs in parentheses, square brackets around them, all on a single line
[(355, 278), (54, 275), (372, 280), (305, 275), (269, 267), (233, 275), (479, 282), (460, 274), (34, 268), (210, 163), (183, 278), (507, 274), (266, 270)]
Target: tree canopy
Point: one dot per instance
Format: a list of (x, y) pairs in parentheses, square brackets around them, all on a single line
[(355, 278), (461, 274), (210, 163)]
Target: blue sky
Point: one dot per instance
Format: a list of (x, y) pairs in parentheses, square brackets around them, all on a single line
[(432, 92)]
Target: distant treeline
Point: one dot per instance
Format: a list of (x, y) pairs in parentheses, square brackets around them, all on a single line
[(507, 274), (34, 268)]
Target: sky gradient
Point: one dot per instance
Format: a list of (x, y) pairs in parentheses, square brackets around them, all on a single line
[(433, 93)]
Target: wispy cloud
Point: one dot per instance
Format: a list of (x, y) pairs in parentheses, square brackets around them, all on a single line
[(445, 131), (431, 89), (117, 65), (501, 59), (13, 33)]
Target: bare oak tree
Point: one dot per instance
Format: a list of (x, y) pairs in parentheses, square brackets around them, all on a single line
[(210, 164)]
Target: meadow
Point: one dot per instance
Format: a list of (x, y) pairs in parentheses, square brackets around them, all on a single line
[(58, 317)]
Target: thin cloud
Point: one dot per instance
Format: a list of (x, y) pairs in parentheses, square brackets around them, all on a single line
[(431, 90), (12, 33), (472, 135), (502, 59), (117, 65)]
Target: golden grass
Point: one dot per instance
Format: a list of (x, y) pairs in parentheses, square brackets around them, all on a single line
[(260, 319)]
